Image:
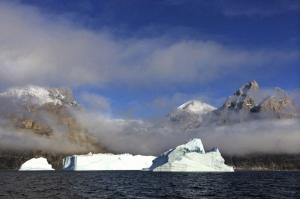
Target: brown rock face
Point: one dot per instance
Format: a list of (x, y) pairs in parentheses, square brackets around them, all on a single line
[(249, 102), (241, 100), (52, 120)]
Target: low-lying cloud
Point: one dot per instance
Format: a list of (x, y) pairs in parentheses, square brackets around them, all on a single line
[(142, 137)]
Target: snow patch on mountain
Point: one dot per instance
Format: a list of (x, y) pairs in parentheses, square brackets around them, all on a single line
[(190, 157), (35, 95), (196, 106), (36, 164), (107, 161)]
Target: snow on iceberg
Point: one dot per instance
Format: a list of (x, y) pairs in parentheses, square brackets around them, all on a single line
[(190, 157), (36, 164), (107, 161)]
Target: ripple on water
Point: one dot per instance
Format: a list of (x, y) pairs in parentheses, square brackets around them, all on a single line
[(134, 184)]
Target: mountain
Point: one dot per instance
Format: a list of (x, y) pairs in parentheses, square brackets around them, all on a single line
[(191, 113), (196, 107), (37, 120), (247, 103), (250, 102)]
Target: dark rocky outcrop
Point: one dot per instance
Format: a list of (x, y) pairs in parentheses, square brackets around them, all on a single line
[(264, 161), (249, 102)]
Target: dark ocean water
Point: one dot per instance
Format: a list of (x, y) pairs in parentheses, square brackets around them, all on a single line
[(133, 184)]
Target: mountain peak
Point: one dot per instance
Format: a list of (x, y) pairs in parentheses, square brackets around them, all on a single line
[(40, 95), (241, 99), (196, 106), (243, 90)]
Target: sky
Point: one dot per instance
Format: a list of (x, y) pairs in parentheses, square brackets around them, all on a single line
[(140, 59)]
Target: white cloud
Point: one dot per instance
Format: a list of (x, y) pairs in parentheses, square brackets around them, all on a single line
[(35, 49), (144, 137), (95, 102)]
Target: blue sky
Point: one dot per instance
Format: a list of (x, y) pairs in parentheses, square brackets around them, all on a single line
[(142, 58)]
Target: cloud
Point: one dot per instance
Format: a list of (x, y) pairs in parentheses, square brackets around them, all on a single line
[(94, 102), (152, 138), (38, 49), (295, 94), (12, 139)]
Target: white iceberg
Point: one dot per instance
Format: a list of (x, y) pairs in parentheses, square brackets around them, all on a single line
[(107, 161), (36, 164), (190, 157)]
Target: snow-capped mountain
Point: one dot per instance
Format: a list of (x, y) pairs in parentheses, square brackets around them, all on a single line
[(191, 113), (39, 95), (44, 112), (247, 103), (190, 157), (196, 106)]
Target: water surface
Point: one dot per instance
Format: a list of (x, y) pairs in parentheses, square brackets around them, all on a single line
[(137, 184)]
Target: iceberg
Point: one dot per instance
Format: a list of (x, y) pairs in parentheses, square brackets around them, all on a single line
[(36, 164), (190, 157), (107, 161)]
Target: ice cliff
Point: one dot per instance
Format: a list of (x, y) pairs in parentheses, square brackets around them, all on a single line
[(107, 161), (190, 157)]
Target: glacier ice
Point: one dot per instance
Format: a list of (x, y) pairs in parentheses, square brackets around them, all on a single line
[(107, 161), (36, 164), (190, 157)]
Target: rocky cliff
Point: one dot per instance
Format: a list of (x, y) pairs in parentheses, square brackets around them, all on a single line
[(249, 103), (42, 123)]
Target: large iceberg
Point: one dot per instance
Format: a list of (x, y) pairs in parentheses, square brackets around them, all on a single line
[(107, 161), (36, 164), (190, 157)]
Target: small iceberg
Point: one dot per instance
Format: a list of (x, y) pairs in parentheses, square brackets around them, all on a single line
[(190, 157), (36, 164), (107, 161)]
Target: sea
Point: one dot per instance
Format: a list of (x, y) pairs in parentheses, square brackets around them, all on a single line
[(140, 184)]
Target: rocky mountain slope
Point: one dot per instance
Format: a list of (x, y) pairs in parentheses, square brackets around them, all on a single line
[(32, 113), (248, 103)]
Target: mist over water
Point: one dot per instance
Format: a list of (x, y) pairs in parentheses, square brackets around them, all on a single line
[(149, 138)]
